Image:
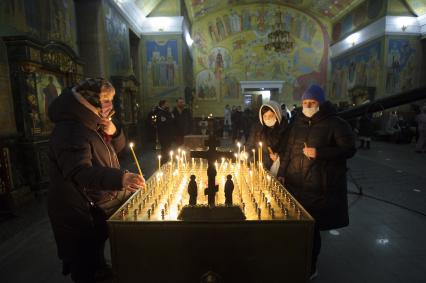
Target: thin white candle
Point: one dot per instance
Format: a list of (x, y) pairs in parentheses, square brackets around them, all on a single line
[(136, 159)]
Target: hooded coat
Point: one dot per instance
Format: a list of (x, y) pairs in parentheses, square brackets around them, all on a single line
[(273, 137), (80, 160), (320, 184)]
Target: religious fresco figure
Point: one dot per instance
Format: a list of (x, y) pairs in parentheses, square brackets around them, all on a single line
[(220, 28), (235, 22), (227, 22), (218, 68), (214, 35), (261, 21), (50, 93), (246, 19)]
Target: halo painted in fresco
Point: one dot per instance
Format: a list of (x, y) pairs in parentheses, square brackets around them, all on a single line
[(326, 8)]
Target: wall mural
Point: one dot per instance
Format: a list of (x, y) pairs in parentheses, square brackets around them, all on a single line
[(166, 9), (359, 68), (419, 6), (402, 64), (162, 66), (118, 42), (44, 19), (374, 9), (49, 86), (326, 8), (228, 48)]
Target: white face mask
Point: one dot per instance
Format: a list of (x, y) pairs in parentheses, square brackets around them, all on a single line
[(309, 112), (270, 122)]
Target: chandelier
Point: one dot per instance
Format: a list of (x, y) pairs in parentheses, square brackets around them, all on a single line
[(279, 40)]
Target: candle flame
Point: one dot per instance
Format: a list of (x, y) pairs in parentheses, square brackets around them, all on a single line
[(131, 145)]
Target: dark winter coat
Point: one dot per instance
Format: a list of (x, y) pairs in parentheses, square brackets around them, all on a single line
[(274, 137), (165, 126), (320, 184), (183, 121), (366, 127), (80, 159)]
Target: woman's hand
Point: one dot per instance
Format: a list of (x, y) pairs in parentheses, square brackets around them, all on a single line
[(133, 182), (273, 156), (108, 126), (310, 152)]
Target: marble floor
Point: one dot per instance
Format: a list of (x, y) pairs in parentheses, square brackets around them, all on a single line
[(383, 243)]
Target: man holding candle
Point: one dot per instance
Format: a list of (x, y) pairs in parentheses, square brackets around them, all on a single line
[(86, 182), (165, 128), (314, 164)]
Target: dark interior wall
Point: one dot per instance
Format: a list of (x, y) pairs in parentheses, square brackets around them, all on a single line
[(7, 116), (423, 67), (44, 20)]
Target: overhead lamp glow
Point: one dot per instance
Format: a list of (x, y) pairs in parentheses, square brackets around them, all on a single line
[(353, 38), (188, 40), (404, 22)]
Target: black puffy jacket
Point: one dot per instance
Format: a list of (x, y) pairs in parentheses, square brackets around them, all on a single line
[(80, 159), (320, 184)]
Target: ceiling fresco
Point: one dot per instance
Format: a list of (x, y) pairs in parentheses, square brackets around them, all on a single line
[(327, 8), (418, 6), (146, 6)]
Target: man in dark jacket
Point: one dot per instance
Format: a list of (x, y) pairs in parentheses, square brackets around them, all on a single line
[(165, 128), (84, 168), (183, 121), (314, 164)]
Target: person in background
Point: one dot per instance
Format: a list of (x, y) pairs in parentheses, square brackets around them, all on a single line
[(392, 126), (314, 164), (165, 128), (421, 126), (183, 121), (293, 113), (366, 130), (150, 124), (227, 122), (270, 130), (238, 124), (248, 119), (285, 112), (86, 181), (233, 122)]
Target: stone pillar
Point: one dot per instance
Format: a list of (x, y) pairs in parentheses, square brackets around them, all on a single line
[(91, 37)]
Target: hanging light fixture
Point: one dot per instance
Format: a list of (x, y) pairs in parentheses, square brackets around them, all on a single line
[(279, 40)]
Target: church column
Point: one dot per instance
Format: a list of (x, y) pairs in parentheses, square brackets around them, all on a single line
[(91, 35)]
